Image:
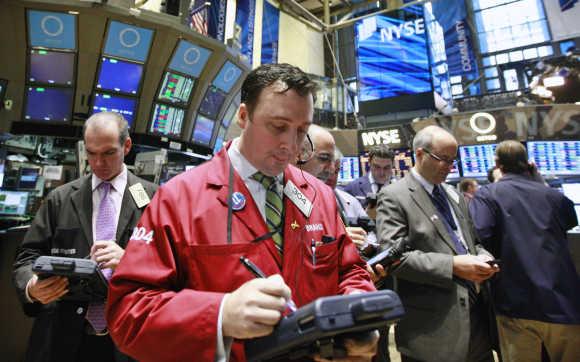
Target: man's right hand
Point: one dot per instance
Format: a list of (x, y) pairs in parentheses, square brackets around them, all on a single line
[(255, 308), (47, 290), (473, 268)]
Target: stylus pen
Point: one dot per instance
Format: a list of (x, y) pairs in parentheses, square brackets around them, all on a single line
[(258, 273)]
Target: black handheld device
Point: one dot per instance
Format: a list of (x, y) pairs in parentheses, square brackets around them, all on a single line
[(494, 262), (391, 256), (86, 281)]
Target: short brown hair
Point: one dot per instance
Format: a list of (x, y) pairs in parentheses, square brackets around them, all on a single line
[(381, 151), (511, 156)]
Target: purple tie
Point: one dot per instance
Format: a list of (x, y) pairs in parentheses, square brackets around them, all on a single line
[(105, 229)]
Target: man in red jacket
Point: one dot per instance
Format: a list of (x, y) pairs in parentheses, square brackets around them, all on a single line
[(181, 292)]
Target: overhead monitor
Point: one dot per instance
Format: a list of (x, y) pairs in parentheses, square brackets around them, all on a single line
[(128, 41), (27, 177), (125, 106), (227, 77), (203, 130), (51, 30), (477, 159), (212, 102), (555, 157), (119, 76), (167, 120), (189, 58), (230, 115), (13, 203), (349, 169), (219, 141), (176, 88), (49, 67), (45, 104)]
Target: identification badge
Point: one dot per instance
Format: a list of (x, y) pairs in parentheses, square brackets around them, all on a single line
[(298, 198), (139, 195)]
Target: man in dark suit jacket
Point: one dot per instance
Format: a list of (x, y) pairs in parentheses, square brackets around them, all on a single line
[(65, 226), (537, 294), (381, 160), (439, 280)]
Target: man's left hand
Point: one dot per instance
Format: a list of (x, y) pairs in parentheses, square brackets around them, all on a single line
[(106, 253), (359, 349)]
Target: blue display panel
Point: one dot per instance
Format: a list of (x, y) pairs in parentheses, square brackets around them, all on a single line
[(227, 77), (128, 41), (212, 102), (189, 59), (51, 30), (176, 88), (50, 67), (27, 177), (48, 104), (349, 169), (392, 55), (203, 130), (13, 203), (555, 157), (477, 159), (119, 76), (167, 120), (230, 115), (219, 141), (125, 106)]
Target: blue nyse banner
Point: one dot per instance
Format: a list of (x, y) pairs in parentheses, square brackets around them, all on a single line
[(270, 31), (128, 41), (227, 76), (245, 13), (392, 55), (52, 30), (216, 22), (189, 58)]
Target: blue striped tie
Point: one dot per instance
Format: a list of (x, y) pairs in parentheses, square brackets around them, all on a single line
[(274, 207)]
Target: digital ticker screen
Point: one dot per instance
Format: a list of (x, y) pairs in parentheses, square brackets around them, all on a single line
[(392, 55), (477, 159), (51, 67), (167, 120), (555, 157), (119, 76), (349, 169), (125, 106), (176, 88)]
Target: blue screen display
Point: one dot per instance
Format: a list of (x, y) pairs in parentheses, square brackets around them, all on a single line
[(477, 159), (52, 30), (48, 104), (555, 157), (227, 76), (203, 130), (167, 120), (189, 59), (128, 41), (349, 169), (125, 106), (392, 55), (219, 141), (119, 76), (27, 178), (13, 203), (212, 102), (51, 67)]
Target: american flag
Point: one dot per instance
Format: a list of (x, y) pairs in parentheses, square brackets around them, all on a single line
[(198, 16)]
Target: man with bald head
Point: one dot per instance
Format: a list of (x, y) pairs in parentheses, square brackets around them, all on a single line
[(90, 217), (440, 279)]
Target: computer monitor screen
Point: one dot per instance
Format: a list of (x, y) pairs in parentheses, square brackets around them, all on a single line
[(125, 106), (230, 115), (555, 157), (48, 104), (203, 130), (212, 102), (13, 203), (477, 159), (167, 120), (119, 76), (403, 163), (219, 141), (349, 169), (51, 67), (227, 77), (176, 88), (572, 191), (27, 177)]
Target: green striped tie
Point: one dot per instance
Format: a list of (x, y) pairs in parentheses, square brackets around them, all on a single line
[(273, 207)]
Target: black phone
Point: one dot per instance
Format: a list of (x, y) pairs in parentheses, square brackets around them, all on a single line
[(494, 262)]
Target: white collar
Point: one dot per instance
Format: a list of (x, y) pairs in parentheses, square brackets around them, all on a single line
[(241, 164), (118, 182), (428, 186)]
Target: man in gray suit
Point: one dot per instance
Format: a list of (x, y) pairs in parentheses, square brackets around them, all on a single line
[(68, 224), (439, 280)]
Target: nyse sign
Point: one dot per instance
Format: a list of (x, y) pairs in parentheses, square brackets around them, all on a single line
[(386, 136)]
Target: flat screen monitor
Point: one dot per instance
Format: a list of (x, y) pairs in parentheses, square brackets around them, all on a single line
[(13, 203), (125, 106), (46, 104), (572, 191), (477, 159), (555, 157), (203, 130), (230, 115), (119, 76), (50, 67), (349, 169), (167, 120), (227, 77), (27, 177), (403, 163), (176, 88), (219, 141), (212, 102)]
